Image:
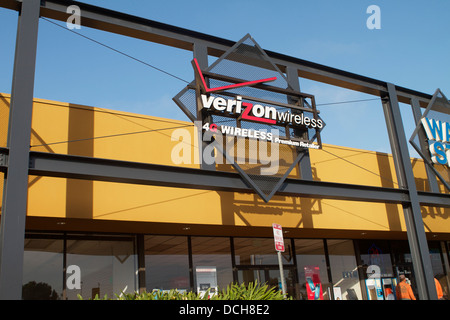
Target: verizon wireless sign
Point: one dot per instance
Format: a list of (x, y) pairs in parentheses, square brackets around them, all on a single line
[(247, 113), (235, 107), (257, 113)]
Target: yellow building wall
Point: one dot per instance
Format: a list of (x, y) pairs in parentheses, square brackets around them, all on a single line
[(86, 131)]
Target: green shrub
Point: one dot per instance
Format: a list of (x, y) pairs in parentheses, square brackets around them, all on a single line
[(254, 291), (234, 291)]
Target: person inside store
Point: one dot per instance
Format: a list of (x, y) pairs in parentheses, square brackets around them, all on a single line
[(439, 292), (389, 294), (403, 290)]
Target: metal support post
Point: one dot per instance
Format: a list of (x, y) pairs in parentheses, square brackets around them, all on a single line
[(15, 191), (305, 162), (283, 282), (413, 217), (201, 54)]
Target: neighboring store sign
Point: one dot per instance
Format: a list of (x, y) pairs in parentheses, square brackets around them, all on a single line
[(278, 237), (438, 135), (246, 110), (431, 138)]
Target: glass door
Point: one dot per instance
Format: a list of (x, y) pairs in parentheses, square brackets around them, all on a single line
[(61, 267), (402, 262)]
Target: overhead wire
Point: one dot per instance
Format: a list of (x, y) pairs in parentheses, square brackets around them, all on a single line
[(348, 101), (166, 72), (359, 166), (116, 50), (111, 135)]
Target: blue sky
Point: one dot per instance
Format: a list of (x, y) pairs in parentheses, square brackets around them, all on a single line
[(411, 49)]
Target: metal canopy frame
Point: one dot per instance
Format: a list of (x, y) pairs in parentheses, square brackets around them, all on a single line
[(17, 161)]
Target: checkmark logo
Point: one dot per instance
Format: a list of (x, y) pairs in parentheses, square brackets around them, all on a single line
[(231, 86)]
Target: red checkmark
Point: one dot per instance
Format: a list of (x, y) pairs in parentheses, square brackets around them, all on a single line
[(231, 86)]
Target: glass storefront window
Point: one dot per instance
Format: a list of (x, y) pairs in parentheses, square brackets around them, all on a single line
[(403, 263), (438, 265), (375, 253), (344, 270), (260, 251), (166, 263), (107, 267), (42, 269), (379, 278), (445, 281), (269, 276), (257, 260), (312, 270), (435, 256), (211, 258)]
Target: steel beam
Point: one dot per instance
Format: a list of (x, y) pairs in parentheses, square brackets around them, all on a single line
[(433, 199), (413, 216), (15, 190), (77, 167)]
